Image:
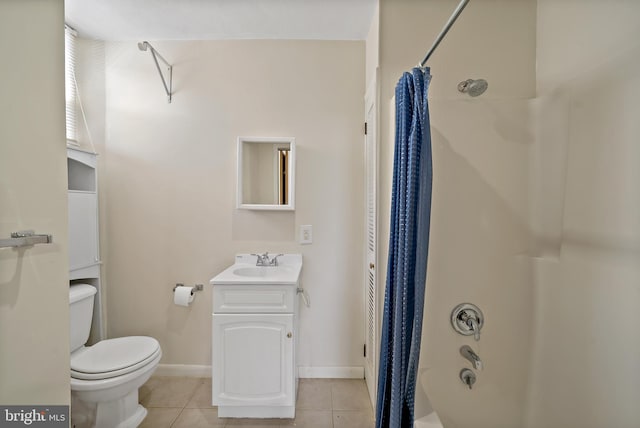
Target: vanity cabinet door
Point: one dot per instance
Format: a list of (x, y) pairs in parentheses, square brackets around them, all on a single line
[(253, 360)]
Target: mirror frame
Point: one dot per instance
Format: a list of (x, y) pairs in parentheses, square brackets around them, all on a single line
[(291, 179)]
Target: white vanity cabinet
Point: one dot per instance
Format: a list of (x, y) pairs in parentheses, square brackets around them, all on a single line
[(254, 346)]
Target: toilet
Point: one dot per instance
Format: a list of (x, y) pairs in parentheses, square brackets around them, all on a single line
[(105, 377)]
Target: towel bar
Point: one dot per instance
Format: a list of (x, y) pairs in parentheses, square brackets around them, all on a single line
[(25, 238)]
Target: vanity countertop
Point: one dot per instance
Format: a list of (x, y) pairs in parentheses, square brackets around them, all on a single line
[(245, 271)]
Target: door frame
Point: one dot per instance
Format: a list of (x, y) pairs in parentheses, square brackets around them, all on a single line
[(370, 257)]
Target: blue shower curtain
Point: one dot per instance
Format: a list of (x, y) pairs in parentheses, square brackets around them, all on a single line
[(408, 250)]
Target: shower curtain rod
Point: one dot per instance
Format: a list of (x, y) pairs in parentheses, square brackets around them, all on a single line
[(444, 31)]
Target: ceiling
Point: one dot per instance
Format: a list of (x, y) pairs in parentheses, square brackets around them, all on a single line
[(128, 20)]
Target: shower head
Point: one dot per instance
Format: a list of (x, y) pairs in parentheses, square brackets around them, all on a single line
[(143, 46), (473, 87)]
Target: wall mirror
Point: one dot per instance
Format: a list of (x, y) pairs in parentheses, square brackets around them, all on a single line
[(266, 173)]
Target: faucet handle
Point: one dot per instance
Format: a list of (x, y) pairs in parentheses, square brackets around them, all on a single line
[(475, 327), (274, 260), (261, 258)]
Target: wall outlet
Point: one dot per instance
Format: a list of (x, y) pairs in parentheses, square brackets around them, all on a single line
[(306, 234)]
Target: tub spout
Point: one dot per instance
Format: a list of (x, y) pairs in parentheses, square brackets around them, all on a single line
[(468, 353)]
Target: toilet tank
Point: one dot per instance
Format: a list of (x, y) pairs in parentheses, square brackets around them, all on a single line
[(80, 313)]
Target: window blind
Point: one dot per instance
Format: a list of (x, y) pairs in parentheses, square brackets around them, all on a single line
[(70, 83)]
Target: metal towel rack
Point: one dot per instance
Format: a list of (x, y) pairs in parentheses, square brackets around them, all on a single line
[(168, 88), (25, 238)]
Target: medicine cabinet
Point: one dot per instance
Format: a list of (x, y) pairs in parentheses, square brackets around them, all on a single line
[(266, 173)]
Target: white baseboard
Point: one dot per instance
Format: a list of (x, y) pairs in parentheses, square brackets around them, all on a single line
[(192, 370), (185, 370), (331, 372)]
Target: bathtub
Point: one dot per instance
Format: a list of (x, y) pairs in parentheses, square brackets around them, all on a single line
[(431, 420), (425, 416)]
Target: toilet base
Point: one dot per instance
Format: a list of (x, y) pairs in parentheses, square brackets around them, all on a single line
[(135, 419), (122, 413)]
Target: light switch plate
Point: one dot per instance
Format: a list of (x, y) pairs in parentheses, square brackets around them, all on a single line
[(306, 234)]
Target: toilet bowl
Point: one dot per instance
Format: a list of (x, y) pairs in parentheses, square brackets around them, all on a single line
[(105, 377)]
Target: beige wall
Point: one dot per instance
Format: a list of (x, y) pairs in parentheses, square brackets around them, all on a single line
[(170, 181), (34, 299), (479, 230), (587, 284), (372, 46)]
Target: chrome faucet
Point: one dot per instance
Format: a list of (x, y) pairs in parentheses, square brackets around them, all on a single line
[(468, 353), (264, 260)]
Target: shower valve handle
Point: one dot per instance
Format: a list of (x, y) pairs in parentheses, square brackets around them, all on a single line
[(467, 319), (472, 322)]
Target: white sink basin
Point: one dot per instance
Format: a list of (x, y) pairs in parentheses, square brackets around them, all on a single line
[(261, 271), (245, 271)]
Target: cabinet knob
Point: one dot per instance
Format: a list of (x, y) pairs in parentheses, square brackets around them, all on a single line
[(289, 335), (371, 266)]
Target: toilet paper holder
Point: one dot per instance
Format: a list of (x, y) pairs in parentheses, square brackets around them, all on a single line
[(197, 287)]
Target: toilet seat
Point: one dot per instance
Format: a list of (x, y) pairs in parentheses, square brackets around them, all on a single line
[(113, 357)]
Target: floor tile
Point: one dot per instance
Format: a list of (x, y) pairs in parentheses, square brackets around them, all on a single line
[(311, 419), (257, 424), (183, 402), (171, 392), (353, 419), (160, 417), (254, 422), (350, 394), (314, 395), (145, 389), (202, 397), (199, 418)]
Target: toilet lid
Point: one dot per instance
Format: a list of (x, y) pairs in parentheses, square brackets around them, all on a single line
[(113, 357)]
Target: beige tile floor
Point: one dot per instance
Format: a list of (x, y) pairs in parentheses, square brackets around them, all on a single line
[(181, 402)]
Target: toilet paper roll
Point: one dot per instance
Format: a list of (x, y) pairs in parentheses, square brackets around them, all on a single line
[(183, 296)]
